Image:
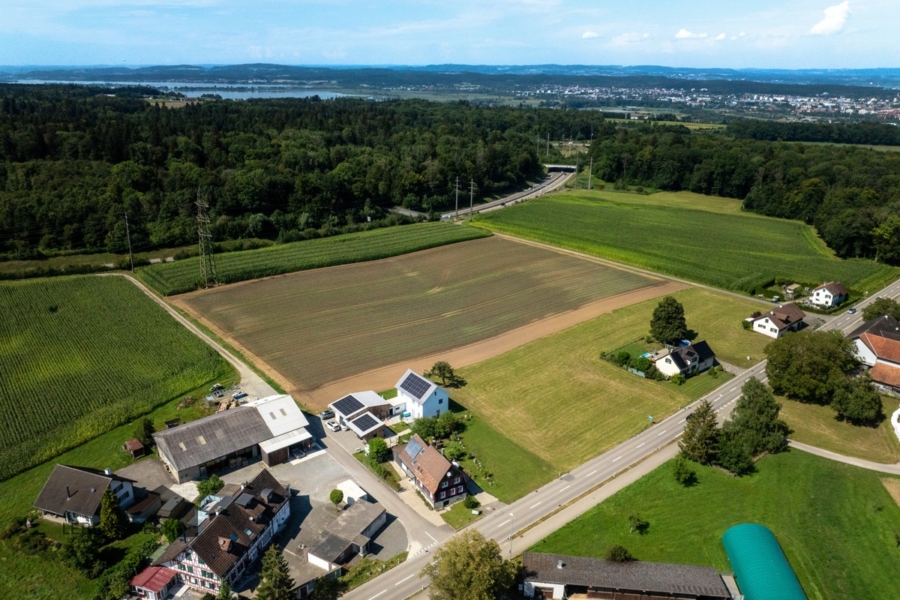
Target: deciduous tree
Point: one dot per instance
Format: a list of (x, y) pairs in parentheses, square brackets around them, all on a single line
[(668, 325), (701, 433), (857, 401), (336, 497), (809, 367), (378, 449), (443, 371), (144, 431), (881, 307), (470, 567), (172, 528)]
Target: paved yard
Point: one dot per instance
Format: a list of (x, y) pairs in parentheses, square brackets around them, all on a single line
[(150, 473)]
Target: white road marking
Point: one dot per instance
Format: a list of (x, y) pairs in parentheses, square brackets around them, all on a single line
[(642, 443), (431, 536), (591, 473), (565, 488), (402, 580), (378, 594), (660, 433), (617, 458), (504, 523), (534, 505)]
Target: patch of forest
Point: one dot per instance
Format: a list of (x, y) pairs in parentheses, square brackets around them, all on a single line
[(865, 132)]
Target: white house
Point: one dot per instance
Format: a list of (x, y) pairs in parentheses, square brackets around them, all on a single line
[(829, 294), (685, 360), (424, 398), (776, 323), (878, 347), (75, 493)]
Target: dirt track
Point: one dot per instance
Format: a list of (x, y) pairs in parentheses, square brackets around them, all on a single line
[(385, 377)]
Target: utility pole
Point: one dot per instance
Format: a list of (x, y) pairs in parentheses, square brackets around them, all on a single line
[(591, 175), (128, 235), (548, 143), (471, 198), (208, 276), (457, 198)]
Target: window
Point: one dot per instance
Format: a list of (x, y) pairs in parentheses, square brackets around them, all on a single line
[(455, 481), (190, 570), (440, 400), (444, 484), (443, 495), (126, 494)]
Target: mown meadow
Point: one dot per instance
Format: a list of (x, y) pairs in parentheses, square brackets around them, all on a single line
[(184, 275), (82, 355), (703, 239)]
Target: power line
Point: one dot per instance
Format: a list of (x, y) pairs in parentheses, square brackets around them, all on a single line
[(208, 275), (128, 235)]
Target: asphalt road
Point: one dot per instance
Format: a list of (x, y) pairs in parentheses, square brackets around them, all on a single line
[(403, 581), (550, 183)]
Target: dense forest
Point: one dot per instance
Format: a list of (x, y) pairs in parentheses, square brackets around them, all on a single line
[(865, 132), (74, 160), (850, 194)]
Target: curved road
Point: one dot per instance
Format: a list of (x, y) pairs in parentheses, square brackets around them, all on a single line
[(550, 506)]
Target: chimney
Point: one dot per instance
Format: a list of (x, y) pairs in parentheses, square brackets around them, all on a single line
[(560, 564), (68, 494), (108, 471)]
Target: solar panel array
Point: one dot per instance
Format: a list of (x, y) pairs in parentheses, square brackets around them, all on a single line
[(413, 448), (415, 385), (365, 422), (348, 405)]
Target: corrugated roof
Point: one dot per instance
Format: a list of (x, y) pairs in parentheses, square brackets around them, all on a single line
[(280, 413), (154, 578), (760, 566), (683, 581), (206, 439)]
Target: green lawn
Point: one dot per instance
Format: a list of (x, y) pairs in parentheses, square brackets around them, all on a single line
[(42, 577), (836, 523), (815, 425), (459, 516), (699, 238), (556, 398)]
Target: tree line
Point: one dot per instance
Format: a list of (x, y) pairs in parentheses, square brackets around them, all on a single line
[(850, 194), (74, 161), (864, 132)]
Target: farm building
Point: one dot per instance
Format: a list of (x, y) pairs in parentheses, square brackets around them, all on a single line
[(684, 360), (878, 347), (780, 321), (363, 413), (269, 428), (829, 295), (74, 494), (347, 536), (423, 398), (441, 482), (760, 567), (146, 504), (557, 576), (233, 537)]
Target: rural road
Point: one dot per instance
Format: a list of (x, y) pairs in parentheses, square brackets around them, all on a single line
[(542, 512), (553, 181)]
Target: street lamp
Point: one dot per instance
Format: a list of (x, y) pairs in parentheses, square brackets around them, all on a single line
[(510, 535)]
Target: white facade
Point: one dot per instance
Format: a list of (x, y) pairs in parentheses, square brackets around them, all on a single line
[(433, 401), (821, 296), (667, 367), (865, 354), (558, 589), (765, 326)]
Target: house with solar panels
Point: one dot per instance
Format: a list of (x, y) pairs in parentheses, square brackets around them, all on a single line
[(423, 398), (363, 413), (440, 482)]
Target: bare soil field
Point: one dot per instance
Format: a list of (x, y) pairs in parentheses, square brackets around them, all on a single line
[(324, 325)]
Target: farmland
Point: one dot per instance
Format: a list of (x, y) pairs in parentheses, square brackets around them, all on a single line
[(702, 239), (322, 325), (835, 522), (82, 355), (183, 276), (557, 398)]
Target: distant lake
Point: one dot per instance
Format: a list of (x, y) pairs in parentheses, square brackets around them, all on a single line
[(229, 91)]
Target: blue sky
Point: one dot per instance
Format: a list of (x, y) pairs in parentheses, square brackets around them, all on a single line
[(697, 33)]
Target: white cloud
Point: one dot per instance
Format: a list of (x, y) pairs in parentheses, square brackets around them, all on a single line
[(589, 34), (835, 17), (720, 37), (684, 34), (629, 38)]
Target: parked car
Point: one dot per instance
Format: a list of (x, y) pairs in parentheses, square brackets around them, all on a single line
[(344, 426), (326, 414), (851, 311), (238, 395), (333, 426)]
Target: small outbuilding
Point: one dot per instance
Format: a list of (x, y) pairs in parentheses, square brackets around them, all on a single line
[(760, 567), (154, 583), (135, 447)]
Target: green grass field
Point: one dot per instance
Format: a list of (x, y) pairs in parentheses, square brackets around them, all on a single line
[(184, 275), (322, 325), (836, 523), (556, 400), (815, 425), (81, 355), (699, 238)]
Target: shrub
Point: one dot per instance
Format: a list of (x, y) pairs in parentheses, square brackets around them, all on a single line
[(336, 497), (621, 358), (678, 379), (619, 554), (471, 502), (683, 472), (378, 449), (210, 486)]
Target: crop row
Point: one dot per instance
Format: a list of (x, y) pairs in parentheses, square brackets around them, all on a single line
[(81, 355), (184, 276)]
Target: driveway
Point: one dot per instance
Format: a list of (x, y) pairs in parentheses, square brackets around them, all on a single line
[(150, 473)]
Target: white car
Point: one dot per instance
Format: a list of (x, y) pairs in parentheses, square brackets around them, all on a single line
[(333, 426)]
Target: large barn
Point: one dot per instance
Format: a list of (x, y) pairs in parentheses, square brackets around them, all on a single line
[(269, 428)]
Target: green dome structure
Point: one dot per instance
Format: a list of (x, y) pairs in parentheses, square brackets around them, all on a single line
[(760, 566)]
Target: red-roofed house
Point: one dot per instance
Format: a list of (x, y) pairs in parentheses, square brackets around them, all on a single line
[(878, 347), (154, 583), (441, 482)]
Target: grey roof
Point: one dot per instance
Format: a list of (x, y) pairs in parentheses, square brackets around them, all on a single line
[(355, 519), (886, 326), (209, 438), (834, 288), (329, 547), (699, 350), (785, 316), (640, 577), (73, 489)]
